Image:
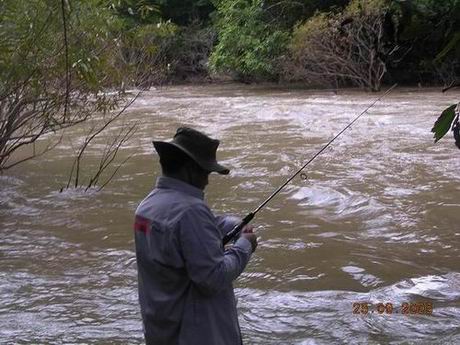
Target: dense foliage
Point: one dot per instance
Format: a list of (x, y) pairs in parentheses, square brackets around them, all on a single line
[(248, 46), (256, 40), (427, 33)]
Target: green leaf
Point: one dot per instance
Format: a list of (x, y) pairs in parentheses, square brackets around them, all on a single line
[(444, 122)]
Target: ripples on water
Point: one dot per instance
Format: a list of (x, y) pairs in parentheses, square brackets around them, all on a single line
[(376, 220), (324, 317)]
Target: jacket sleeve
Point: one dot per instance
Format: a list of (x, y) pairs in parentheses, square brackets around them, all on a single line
[(225, 223), (208, 266)]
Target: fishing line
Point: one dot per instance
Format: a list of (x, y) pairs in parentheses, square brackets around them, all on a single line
[(237, 229)]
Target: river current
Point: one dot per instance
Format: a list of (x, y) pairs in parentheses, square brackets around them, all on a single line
[(376, 220)]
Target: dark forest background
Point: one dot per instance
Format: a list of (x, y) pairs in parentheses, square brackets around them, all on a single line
[(328, 43)]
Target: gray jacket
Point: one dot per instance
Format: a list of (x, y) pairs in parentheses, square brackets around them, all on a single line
[(184, 275)]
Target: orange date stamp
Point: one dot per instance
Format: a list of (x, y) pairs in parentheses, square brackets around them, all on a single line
[(388, 308)]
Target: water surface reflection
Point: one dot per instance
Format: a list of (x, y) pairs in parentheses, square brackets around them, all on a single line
[(376, 220)]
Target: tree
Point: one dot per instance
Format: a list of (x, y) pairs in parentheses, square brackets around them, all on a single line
[(427, 35), (248, 46), (148, 50), (344, 48), (57, 58)]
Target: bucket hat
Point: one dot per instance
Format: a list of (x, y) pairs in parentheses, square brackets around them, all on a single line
[(197, 145)]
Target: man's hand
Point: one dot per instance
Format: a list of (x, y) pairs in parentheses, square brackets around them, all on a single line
[(248, 233)]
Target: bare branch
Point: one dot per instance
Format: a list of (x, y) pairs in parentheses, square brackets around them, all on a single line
[(114, 173), (111, 153), (93, 134), (35, 154), (451, 86), (329, 52)]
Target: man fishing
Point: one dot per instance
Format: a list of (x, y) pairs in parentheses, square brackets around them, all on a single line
[(185, 274)]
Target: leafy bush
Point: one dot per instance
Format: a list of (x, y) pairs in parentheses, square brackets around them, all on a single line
[(247, 45), (341, 49), (56, 59), (190, 52), (164, 52), (146, 49)]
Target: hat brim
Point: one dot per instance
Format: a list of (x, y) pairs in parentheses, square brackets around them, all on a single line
[(164, 147)]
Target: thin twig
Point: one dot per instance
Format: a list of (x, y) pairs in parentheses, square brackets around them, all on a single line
[(116, 170), (76, 163), (66, 53), (451, 86), (34, 154), (110, 153)]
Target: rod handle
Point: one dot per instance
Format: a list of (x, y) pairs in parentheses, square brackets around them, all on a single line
[(237, 228)]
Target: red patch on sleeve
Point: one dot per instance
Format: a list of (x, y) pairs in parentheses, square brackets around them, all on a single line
[(141, 224)]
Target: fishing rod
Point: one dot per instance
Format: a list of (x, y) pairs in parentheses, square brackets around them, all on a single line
[(237, 229)]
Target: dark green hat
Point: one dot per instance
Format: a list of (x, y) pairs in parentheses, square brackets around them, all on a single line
[(198, 146)]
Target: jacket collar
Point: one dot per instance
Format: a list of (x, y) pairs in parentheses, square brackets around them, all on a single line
[(165, 182)]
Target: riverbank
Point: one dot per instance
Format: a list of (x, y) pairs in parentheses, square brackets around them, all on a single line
[(228, 80)]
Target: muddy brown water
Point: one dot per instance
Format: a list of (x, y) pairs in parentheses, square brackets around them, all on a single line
[(377, 221)]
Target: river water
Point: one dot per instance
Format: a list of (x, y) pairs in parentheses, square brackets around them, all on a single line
[(376, 220)]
